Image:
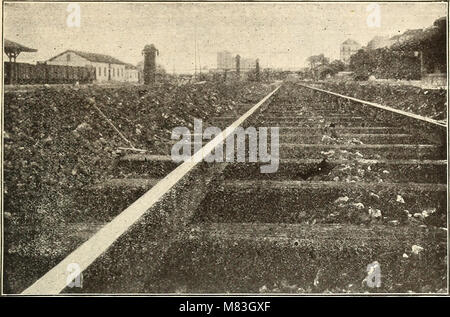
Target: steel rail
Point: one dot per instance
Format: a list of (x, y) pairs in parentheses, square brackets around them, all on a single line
[(376, 105)]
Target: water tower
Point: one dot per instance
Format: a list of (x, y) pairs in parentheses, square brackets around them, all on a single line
[(150, 52)]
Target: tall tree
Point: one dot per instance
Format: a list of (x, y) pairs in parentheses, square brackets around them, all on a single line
[(317, 60), (337, 66)]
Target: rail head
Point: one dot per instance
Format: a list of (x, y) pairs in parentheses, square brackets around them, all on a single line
[(376, 105)]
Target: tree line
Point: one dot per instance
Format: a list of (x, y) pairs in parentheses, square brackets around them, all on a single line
[(409, 56)]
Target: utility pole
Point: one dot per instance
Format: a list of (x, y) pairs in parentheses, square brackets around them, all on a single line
[(257, 70), (421, 65), (173, 66), (198, 57), (199, 64), (195, 51)]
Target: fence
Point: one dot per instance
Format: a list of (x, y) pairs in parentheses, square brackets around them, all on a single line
[(23, 73)]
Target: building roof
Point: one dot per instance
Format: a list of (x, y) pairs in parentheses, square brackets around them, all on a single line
[(350, 42), (11, 46), (130, 66), (93, 57)]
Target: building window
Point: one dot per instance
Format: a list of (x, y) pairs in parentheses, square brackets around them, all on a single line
[(99, 71), (68, 57), (114, 72)]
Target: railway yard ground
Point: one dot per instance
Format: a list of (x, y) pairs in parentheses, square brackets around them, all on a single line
[(356, 186)]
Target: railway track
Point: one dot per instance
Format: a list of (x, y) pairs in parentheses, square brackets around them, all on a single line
[(356, 185)]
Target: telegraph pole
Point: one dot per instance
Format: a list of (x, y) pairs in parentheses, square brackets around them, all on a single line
[(195, 51), (238, 65), (257, 70)]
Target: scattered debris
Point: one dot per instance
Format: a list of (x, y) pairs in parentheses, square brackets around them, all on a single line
[(318, 275), (263, 289), (327, 138), (355, 141), (6, 136), (328, 153), (418, 215), (83, 127), (400, 199), (342, 199), (374, 213), (374, 195), (416, 249), (427, 212), (358, 205), (345, 168)]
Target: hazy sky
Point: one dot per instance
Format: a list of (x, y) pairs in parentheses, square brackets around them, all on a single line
[(280, 34)]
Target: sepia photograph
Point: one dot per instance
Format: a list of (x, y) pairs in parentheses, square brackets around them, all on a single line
[(224, 148)]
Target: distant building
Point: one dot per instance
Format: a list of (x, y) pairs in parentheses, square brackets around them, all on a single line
[(225, 60), (131, 73), (348, 48), (12, 50), (248, 64), (107, 68)]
